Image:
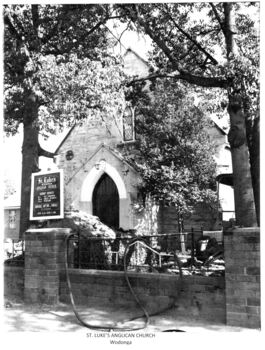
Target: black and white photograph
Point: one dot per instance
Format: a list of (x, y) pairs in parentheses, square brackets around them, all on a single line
[(131, 170)]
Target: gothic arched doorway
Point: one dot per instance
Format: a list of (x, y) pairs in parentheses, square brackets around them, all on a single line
[(105, 201)]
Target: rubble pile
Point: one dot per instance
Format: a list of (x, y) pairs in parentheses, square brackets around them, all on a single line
[(86, 224), (215, 268)]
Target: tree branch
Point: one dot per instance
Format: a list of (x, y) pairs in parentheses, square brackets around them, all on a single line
[(190, 78), (13, 30), (89, 32), (114, 36), (95, 27), (191, 39), (52, 51), (44, 153), (83, 37), (218, 17), (162, 45), (154, 37), (229, 28), (186, 53), (35, 17), (124, 31), (18, 23)]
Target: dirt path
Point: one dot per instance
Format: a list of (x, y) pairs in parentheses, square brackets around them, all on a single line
[(19, 317)]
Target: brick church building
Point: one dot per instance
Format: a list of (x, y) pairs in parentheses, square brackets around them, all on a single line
[(99, 181)]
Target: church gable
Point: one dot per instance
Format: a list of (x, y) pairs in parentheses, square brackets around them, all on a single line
[(84, 175), (135, 65), (93, 163)]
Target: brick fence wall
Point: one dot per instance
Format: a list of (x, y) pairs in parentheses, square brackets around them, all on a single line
[(242, 259), (14, 282), (235, 298), (44, 259), (198, 297)]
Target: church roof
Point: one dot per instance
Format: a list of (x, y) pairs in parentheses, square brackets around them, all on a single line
[(221, 124), (137, 55), (65, 138), (114, 152)]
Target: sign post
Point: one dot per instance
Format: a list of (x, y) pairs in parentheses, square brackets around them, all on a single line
[(46, 201)]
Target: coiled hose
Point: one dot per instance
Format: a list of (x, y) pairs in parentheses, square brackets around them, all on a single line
[(177, 262), (146, 315)]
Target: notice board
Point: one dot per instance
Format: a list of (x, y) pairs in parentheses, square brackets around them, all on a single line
[(46, 200)]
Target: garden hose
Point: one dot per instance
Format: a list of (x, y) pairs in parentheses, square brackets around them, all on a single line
[(85, 324), (145, 313), (176, 260)]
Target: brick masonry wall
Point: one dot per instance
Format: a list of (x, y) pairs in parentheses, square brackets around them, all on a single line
[(198, 297), (202, 217), (13, 282), (242, 258), (44, 259)]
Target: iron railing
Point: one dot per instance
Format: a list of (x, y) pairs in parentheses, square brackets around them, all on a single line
[(154, 253), (14, 252)]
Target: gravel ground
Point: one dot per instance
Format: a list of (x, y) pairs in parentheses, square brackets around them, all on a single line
[(19, 317)]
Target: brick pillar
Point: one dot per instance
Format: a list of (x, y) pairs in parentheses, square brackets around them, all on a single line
[(44, 259), (242, 276)]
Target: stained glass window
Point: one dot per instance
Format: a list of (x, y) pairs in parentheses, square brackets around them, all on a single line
[(128, 124)]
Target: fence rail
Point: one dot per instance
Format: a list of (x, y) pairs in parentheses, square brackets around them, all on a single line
[(195, 251), (14, 252), (155, 253)]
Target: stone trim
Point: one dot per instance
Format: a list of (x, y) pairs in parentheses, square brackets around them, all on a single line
[(93, 177)]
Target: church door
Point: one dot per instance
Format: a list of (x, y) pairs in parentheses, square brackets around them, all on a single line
[(106, 201)]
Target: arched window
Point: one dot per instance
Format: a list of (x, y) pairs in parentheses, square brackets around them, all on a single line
[(128, 124)]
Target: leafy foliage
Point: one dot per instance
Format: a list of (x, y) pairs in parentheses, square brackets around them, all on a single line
[(68, 93), (73, 90), (58, 54), (176, 155), (191, 41), (57, 70), (212, 45)]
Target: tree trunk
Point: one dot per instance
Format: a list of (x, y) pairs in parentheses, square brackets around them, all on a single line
[(255, 165), (29, 159), (243, 190), (253, 138)]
